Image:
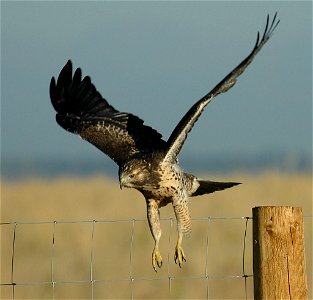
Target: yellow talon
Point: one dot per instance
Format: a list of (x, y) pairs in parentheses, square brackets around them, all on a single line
[(156, 259), (179, 255)]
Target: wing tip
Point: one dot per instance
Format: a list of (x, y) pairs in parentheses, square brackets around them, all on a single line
[(58, 85)]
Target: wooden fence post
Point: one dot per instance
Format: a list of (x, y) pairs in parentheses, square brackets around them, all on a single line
[(278, 253)]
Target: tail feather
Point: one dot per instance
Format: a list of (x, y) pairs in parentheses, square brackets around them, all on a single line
[(207, 187)]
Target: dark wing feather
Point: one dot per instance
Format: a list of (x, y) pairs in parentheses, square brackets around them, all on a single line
[(82, 110), (179, 135), (207, 187)]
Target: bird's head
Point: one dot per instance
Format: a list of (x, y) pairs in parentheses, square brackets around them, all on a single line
[(134, 174)]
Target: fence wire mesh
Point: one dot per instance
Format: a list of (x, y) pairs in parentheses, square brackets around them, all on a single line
[(117, 261)]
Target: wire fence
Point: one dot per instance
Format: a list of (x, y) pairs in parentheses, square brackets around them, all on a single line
[(110, 282)]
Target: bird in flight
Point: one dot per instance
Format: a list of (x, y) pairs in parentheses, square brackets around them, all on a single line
[(146, 161)]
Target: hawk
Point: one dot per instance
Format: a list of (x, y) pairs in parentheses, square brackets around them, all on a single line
[(146, 161)]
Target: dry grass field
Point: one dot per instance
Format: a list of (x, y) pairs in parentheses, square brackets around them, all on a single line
[(99, 198)]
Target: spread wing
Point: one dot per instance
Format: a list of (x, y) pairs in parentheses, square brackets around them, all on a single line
[(82, 110), (179, 135)]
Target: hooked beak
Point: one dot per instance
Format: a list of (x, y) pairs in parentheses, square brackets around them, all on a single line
[(121, 184)]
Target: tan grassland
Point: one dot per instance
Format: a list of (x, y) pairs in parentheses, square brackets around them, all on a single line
[(99, 198)]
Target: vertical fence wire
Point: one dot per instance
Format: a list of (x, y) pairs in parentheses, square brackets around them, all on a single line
[(244, 256), (52, 259), (168, 258), (207, 259), (131, 259), (91, 258), (12, 260)]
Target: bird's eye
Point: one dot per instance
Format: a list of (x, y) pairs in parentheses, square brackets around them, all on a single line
[(131, 175)]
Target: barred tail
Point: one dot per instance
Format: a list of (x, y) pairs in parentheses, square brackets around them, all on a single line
[(207, 187)]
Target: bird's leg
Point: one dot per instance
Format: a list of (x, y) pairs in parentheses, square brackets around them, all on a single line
[(183, 228), (155, 228), (179, 255)]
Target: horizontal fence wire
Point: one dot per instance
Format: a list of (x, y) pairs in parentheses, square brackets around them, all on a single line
[(131, 278)]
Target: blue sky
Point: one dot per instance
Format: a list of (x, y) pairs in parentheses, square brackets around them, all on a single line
[(155, 59)]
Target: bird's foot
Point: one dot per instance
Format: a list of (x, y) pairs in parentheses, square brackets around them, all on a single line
[(156, 259), (179, 256)]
